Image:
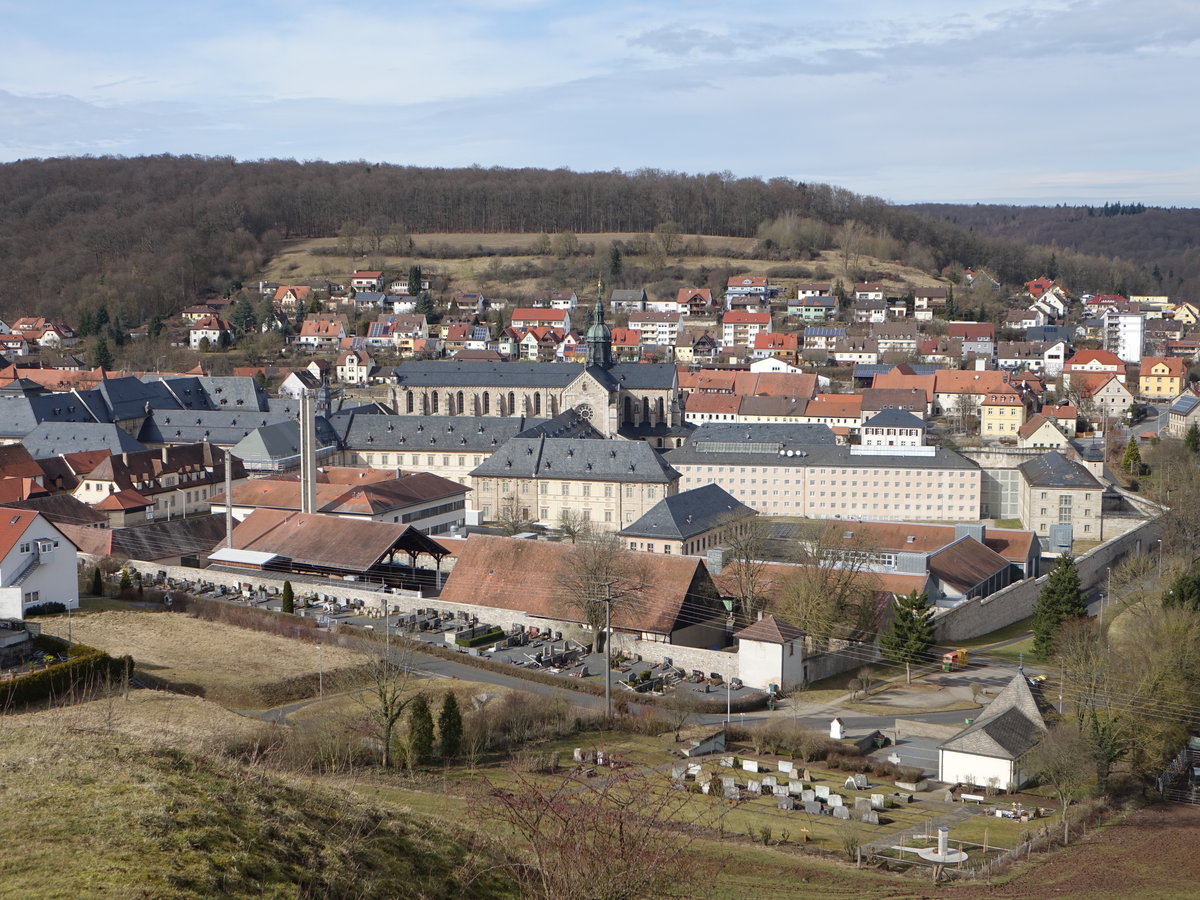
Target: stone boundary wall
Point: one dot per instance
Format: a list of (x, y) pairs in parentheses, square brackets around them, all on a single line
[(1015, 602)]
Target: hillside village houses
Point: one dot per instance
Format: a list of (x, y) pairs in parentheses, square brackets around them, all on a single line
[(554, 411)]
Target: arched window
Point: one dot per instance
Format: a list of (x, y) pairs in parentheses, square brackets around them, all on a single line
[(487, 403), (434, 411), (461, 409), (408, 401), (537, 403), (512, 403), (661, 416), (645, 409)]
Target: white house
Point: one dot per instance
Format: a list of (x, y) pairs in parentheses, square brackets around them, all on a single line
[(210, 327), (37, 564), (354, 367), (989, 751), (771, 655)]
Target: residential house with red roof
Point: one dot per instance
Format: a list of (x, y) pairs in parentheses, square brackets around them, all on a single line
[(1093, 362), (541, 317), (322, 331), (213, 329), (37, 563), (367, 280), (1162, 378), (290, 297), (740, 327)]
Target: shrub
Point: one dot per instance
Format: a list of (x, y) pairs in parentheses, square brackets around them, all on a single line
[(488, 637), (50, 608)]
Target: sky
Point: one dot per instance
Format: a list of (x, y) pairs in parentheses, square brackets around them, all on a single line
[(921, 101)]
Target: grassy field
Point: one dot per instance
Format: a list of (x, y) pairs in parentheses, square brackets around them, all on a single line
[(230, 665), (298, 262)]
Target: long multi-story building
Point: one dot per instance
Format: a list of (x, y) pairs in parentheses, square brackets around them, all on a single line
[(789, 470)]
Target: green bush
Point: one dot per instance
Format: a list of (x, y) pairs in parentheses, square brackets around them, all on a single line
[(86, 668), (50, 608), (488, 637)]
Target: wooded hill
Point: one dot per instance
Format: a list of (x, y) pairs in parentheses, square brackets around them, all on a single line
[(1164, 242), (145, 236)]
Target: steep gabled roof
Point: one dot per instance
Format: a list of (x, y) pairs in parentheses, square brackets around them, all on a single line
[(770, 630), (1007, 728), (687, 514)]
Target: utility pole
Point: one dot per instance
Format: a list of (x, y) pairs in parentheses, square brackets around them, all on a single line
[(1061, 677), (608, 598), (228, 499)]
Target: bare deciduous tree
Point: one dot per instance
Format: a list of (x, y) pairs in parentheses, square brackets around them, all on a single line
[(599, 567), (746, 570), (611, 840), (832, 593), (512, 517), (384, 699)]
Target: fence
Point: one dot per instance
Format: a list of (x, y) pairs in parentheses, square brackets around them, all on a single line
[(1178, 783)]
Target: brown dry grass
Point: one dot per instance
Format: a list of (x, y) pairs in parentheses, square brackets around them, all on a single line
[(221, 662), (156, 718), (297, 263)]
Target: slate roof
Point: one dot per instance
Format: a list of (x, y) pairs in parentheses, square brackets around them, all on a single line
[(57, 438), (814, 455), (225, 427), (1007, 728), (577, 460), (895, 418), (159, 539), (474, 373), (274, 443), (770, 630), (62, 509), (206, 392), (687, 514), (781, 434), (1056, 471), (467, 434), (21, 413)]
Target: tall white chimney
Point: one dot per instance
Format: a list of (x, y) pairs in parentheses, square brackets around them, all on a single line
[(308, 455)]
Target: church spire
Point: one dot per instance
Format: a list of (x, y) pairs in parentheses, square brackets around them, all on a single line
[(599, 335)]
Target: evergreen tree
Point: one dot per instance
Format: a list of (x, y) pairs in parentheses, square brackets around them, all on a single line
[(205, 345), (97, 581), (87, 323), (287, 599), (450, 727), (420, 732), (155, 327), (126, 581), (424, 305), (1184, 592), (1132, 462), (910, 635), (951, 311), (101, 317), (615, 263), (243, 315), (1191, 439), (101, 356), (414, 280), (1061, 599)]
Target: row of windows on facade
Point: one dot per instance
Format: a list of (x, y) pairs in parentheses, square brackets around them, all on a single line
[(544, 488), (884, 473), (385, 459), (544, 514)]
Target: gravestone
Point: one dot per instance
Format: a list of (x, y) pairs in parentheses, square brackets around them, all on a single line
[(841, 812), (750, 765), (785, 767), (904, 798), (727, 783), (599, 757), (795, 788), (808, 796), (861, 804), (589, 756), (732, 792), (812, 808), (822, 791), (705, 786), (870, 817), (861, 782), (769, 781), (878, 801), (780, 790), (947, 796), (694, 769), (727, 762), (677, 772), (785, 803), (754, 787), (835, 800), (578, 755)]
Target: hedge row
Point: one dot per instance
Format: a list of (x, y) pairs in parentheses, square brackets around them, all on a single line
[(87, 668)]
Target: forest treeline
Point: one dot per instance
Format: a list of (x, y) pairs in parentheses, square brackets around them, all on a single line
[(144, 236), (1164, 242)]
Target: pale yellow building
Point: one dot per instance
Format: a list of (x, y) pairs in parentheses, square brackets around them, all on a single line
[(1001, 415)]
